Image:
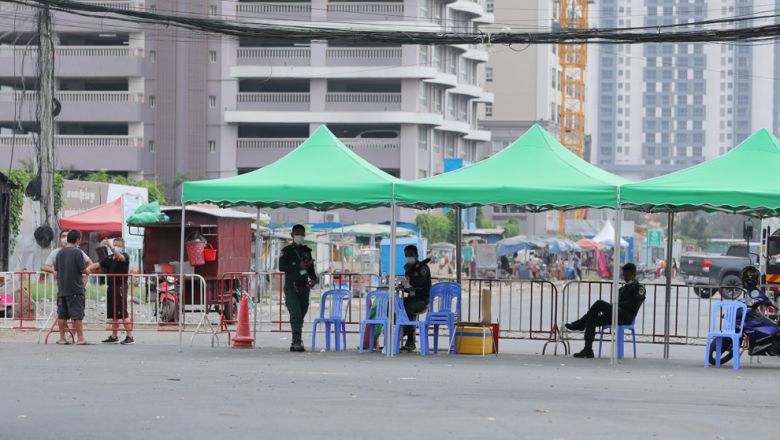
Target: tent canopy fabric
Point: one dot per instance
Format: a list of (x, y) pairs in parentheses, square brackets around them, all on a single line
[(371, 229), (535, 172), (509, 246), (606, 236), (589, 245), (106, 217), (322, 173), (741, 181), (558, 245)]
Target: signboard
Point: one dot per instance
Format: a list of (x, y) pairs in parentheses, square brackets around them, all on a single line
[(655, 238)]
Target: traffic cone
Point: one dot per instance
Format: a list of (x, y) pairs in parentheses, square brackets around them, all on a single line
[(242, 338)]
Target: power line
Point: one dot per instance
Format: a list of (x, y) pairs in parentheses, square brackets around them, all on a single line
[(632, 35)]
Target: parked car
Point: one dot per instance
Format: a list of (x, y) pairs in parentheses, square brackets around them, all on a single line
[(700, 270)]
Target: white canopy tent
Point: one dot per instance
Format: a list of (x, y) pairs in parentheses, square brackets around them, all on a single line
[(606, 236)]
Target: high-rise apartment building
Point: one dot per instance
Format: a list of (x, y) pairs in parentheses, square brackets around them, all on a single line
[(662, 107), (527, 84), (172, 105)]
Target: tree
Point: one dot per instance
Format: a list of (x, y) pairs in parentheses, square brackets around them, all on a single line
[(481, 222), (436, 228), (511, 228)]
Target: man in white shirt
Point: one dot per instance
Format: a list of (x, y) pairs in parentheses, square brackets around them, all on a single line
[(48, 266)]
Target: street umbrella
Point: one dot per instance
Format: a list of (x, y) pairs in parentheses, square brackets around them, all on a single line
[(509, 246), (589, 245)]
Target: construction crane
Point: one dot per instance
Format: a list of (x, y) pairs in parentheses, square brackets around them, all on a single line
[(573, 58)]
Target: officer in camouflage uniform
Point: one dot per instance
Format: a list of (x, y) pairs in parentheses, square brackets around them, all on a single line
[(418, 276), (299, 277)]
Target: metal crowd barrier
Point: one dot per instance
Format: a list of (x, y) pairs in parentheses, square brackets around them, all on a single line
[(690, 317)]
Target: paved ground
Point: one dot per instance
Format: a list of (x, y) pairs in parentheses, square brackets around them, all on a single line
[(151, 391)]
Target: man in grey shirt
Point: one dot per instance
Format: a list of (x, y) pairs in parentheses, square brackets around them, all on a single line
[(70, 268), (48, 266)]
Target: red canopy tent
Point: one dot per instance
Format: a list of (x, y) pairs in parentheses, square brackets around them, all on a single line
[(106, 217)]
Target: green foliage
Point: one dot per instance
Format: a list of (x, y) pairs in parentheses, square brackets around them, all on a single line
[(452, 237), (21, 178), (155, 194), (511, 228), (481, 222), (436, 228)]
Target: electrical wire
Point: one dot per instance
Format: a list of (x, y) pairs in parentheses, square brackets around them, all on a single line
[(631, 35)]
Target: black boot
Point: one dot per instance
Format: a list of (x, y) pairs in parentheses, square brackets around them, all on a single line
[(586, 353), (576, 326), (297, 343)]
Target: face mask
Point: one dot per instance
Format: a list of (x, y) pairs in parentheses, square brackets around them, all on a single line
[(298, 239), (411, 260), (64, 241), (118, 248)]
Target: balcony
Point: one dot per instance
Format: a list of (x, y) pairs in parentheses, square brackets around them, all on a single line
[(274, 56), (79, 152), (273, 101), (362, 101), (365, 11), (364, 56), (256, 152), (77, 106), (75, 61), (274, 10)]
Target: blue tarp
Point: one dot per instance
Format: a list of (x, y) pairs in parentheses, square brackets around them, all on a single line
[(509, 246)]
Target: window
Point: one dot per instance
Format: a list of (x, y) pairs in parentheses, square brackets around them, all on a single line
[(212, 56), (151, 146), (422, 174), (489, 6), (212, 10), (152, 101), (489, 74), (212, 146), (212, 101), (153, 56), (489, 110)]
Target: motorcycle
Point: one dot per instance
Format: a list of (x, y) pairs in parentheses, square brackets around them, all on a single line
[(166, 297), (761, 328)]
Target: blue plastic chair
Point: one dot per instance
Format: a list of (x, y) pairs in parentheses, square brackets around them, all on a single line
[(441, 312), (381, 299), (402, 319), (730, 311), (336, 300), (620, 338)]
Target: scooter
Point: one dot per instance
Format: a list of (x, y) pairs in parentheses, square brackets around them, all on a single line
[(167, 299), (761, 328)]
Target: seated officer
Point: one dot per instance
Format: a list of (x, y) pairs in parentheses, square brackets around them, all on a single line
[(419, 277), (630, 299)]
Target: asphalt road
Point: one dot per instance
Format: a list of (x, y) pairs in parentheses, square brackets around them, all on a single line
[(152, 391)]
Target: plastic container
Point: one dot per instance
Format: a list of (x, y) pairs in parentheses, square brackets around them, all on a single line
[(209, 254), (474, 340), (195, 252)]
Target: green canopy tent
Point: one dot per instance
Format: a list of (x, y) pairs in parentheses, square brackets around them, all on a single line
[(739, 182), (535, 173), (321, 174)]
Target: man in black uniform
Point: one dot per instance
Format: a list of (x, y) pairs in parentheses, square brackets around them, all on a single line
[(418, 276), (299, 277), (630, 299), (116, 266)]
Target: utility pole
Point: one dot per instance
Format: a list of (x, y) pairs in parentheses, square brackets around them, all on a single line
[(45, 115)]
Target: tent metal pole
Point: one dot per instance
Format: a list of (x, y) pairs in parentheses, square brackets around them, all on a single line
[(391, 285), (181, 266), (258, 250), (668, 298), (458, 247), (616, 281)]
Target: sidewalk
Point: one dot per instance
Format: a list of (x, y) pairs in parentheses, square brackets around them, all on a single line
[(152, 391)]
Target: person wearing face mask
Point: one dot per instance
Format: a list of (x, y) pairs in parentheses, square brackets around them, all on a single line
[(299, 277), (630, 298), (117, 266), (48, 266), (418, 277)]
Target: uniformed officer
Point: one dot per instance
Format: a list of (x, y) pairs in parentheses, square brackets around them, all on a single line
[(418, 276), (299, 277), (630, 299)]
